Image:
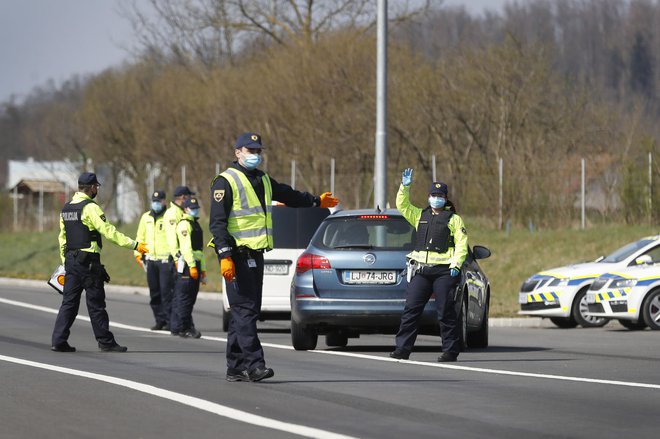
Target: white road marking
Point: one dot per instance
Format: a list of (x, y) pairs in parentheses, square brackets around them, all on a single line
[(378, 358), (191, 401)]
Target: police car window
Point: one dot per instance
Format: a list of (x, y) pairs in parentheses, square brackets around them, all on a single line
[(626, 251), (654, 254), (390, 234)]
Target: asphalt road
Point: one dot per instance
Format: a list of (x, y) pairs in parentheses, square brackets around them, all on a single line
[(531, 382)]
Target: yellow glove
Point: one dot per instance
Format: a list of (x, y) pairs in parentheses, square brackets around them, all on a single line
[(327, 200), (194, 274), (228, 269), (138, 258), (142, 248)]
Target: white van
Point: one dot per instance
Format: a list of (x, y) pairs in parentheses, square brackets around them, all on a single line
[(293, 228)]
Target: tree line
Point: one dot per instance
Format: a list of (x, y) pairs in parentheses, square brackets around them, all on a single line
[(540, 85)]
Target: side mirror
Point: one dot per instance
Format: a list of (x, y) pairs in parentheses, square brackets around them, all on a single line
[(644, 260), (480, 252)]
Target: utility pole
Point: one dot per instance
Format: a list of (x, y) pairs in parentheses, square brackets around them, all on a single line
[(380, 169)]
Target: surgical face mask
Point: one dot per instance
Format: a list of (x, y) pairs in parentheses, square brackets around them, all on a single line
[(437, 202), (157, 206), (194, 213), (251, 161)]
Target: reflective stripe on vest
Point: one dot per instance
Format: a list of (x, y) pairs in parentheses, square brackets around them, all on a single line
[(248, 223)]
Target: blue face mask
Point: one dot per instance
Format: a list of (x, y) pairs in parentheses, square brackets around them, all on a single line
[(437, 202), (157, 206), (251, 161), (194, 213)]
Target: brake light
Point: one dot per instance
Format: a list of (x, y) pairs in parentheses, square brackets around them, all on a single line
[(308, 261), (373, 217)]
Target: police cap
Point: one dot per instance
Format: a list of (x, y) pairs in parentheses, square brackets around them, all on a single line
[(182, 190), (158, 196), (438, 188), (88, 178), (192, 203), (249, 140)]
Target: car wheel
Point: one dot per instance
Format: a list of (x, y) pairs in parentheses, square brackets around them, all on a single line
[(564, 322), (651, 310), (633, 326), (462, 325), (226, 315), (302, 338), (580, 309), (479, 339), (336, 339)]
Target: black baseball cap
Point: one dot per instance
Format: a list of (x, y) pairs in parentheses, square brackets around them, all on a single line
[(438, 188), (158, 196), (249, 140), (88, 178), (182, 190)]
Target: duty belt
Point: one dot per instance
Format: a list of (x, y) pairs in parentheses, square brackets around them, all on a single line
[(246, 251)]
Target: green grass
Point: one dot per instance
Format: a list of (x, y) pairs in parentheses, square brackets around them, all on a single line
[(515, 256)]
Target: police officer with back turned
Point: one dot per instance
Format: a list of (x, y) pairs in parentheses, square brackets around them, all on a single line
[(435, 263), (242, 229), (82, 223)]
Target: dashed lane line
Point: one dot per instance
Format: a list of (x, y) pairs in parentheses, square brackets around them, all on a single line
[(378, 358)]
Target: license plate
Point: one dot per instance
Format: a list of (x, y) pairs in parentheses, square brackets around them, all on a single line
[(369, 277), (278, 269), (522, 298)]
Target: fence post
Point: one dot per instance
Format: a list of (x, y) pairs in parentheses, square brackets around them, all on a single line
[(183, 175), (501, 184), (433, 167), (583, 192), (16, 208), (332, 176), (650, 187), (293, 174), (41, 207)]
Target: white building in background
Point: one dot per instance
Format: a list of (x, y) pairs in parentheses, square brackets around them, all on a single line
[(39, 189)]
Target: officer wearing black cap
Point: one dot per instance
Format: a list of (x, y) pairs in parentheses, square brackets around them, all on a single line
[(171, 218), (241, 225), (82, 223), (160, 276), (191, 269), (439, 253)]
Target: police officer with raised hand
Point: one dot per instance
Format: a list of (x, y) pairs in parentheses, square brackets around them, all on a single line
[(82, 223), (439, 253), (191, 269), (151, 229), (241, 225), (172, 216)]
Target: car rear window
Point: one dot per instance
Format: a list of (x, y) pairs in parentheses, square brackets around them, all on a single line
[(368, 231), (294, 227)]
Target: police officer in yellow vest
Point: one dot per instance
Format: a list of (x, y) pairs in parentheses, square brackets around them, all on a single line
[(191, 269), (151, 229), (439, 253), (173, 215), (82, 223), (241, 225)]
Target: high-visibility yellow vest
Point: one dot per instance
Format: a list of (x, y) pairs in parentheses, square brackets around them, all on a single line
[(248, 223)]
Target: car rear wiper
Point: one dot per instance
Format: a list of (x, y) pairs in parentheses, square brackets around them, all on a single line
[(367, 246)]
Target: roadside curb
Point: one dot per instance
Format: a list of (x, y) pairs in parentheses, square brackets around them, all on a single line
[(493, 322)]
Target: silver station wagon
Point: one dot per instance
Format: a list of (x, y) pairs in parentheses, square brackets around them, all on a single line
[(351, 280)]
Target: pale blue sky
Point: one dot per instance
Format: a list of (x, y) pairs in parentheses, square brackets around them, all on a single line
[(42, 40)]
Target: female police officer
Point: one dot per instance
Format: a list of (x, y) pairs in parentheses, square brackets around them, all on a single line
[(440, 250)]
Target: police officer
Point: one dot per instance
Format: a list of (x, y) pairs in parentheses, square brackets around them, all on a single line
[(241, 225), (171, 218), (191, 269), (157, 265), (439, 253), (82, 223)]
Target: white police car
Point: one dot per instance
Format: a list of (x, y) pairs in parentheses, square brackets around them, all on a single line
[(292, 230), (560, 293), (632, 296)]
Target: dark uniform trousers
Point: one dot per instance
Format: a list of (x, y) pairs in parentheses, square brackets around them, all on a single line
[(244, 351), (83, 271), (431, 280), (160, 278), (185, 296)]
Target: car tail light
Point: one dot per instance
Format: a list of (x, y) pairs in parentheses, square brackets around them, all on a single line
[(308, 261)]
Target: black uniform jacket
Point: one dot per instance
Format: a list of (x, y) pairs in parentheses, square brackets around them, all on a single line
[(220, 209)]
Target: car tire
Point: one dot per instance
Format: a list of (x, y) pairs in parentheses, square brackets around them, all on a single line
[(651, 309), (579, 309), (226, 315), (632, 325), (336, 339), (479, 339), (564, 322), (462, 324), (302, 338)]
